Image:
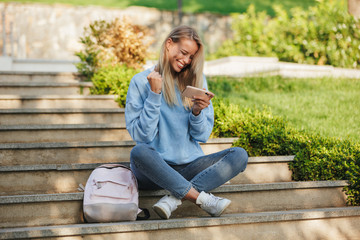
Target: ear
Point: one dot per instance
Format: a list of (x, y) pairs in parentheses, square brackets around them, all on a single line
[(168, 43)]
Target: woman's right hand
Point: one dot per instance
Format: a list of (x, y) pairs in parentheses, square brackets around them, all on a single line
[(155, 81)]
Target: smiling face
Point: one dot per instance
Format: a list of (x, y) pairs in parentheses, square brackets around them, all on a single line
[(181, 53)]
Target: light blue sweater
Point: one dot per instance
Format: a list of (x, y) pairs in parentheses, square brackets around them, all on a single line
[(171, 130)]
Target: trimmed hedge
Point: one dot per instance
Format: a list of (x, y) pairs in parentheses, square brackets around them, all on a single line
[(113, 80), (316, 157)]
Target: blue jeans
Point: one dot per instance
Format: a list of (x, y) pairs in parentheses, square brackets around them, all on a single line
[(204, 173)]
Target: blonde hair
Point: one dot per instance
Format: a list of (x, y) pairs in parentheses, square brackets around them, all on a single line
[(191, 75)]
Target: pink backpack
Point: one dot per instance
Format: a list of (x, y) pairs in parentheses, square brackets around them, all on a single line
[(111, 195)]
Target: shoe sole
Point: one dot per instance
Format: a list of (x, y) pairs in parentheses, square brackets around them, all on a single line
[(218, 215), (159, 211)]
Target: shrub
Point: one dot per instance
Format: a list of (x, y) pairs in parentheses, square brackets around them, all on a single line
[(323, 34), (111, 43), (316, 157), (113, 80)]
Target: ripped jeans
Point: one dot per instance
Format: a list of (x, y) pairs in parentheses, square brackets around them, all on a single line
[(203, 174)]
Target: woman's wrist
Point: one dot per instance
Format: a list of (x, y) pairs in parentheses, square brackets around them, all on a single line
[(196, 113), (157, 91)]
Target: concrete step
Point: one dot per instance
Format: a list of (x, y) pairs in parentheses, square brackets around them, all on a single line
[(16, 77), (66, 208), (311, 224), (44, 88), (65, 178), (63, 132), (57, 101), (38, 65), (82, 152), (61, 116)]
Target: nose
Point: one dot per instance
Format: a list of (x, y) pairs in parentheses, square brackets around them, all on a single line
[(187, 60)]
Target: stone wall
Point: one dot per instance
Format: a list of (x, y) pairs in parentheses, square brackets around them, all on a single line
[(52, 31)]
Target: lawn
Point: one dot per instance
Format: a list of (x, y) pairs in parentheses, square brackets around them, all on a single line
[(327, 106), (222, 7)]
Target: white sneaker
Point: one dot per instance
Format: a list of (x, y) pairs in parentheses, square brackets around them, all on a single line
[(166, 205), (211, 204)]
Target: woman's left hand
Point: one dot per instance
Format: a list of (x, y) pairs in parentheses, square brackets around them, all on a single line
[(200, 102)]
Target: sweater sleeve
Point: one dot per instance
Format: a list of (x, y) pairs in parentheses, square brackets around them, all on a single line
[(142, 111), (201, 125)]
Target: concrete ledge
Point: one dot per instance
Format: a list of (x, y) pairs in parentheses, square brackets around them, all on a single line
[(57, 97), (45, 84), (220, 140), (241, 66), (150, 225), (52, 167), (46, 116), (242, 59), (91, 166), (62, 127), (272, 159), (261, 187), (248, 66), (64, 110), (40, 65), (64, 98), (222, 189), (12, 76), (31, 73), (52, 145), (47, 145)]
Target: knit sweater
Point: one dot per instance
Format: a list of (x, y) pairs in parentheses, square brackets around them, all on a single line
[(173, 131)]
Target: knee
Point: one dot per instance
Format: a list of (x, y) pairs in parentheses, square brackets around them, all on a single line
[(139, 153), (240, 158)]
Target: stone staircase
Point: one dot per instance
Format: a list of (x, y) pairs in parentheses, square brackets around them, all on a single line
[(52, 138)]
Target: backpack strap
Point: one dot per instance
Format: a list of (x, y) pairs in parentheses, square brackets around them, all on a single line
[(147, 214)]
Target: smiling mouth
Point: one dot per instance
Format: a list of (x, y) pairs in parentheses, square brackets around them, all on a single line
[(180, 65)]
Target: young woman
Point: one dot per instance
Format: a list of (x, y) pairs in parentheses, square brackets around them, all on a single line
[(168, 127)]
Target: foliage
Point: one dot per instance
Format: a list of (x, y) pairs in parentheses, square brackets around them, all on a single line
[(190, 6), (328, 106), (113, 53), (316, 157), (111, 43), (323, 34), (113, 80)]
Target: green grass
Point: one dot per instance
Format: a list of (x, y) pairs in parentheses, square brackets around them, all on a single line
[(327, 106), (222, 7)]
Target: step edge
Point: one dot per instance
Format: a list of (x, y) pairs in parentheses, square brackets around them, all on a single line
[(148, 225), (39, 127), (46, 84), (220, 140), (39, 73), (56, 145), (90, 166), (55, 197), (57, 97), (52, 145), (61, 110)]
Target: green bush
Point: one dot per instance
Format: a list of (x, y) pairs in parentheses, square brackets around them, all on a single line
[(113, 80), (323, 34), (113, 53), (111, 43), (316, 157)]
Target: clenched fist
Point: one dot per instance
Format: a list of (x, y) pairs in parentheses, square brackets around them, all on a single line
[(155, 81)]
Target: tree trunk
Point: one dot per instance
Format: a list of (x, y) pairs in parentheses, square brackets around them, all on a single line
[(354, 8), (180, 11)]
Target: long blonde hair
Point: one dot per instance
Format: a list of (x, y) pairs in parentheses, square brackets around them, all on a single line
[(191, 75)]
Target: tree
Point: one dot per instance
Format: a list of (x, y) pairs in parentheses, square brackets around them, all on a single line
[(180, 11)]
